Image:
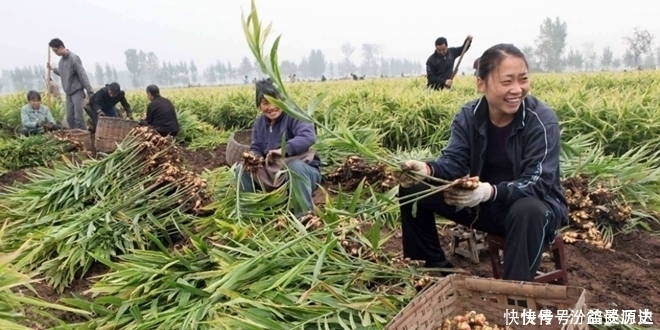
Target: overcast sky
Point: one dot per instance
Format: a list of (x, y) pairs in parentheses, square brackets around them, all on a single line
[(207, 30)]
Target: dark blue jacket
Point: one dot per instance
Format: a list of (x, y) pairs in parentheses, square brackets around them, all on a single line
[(533, 148), (300, 136)]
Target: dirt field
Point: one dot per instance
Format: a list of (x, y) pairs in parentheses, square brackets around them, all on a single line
[(625, 278)]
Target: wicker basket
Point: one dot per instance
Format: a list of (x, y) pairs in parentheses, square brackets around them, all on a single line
[(110, 131), (457, 294), (239, 142), (84, 136)]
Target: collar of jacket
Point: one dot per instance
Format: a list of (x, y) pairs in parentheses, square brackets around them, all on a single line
[(481, 117)]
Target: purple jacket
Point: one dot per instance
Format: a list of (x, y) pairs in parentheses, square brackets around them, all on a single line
[(300, 136)]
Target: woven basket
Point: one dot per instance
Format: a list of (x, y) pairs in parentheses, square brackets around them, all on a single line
[(84, 136), (458, 294), (110, 131), (239, 142)]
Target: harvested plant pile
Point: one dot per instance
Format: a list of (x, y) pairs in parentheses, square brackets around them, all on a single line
[(75, 214), (251, 162), (590, 209), (253, 279), (470, 321), (29, 151), (355, 169)]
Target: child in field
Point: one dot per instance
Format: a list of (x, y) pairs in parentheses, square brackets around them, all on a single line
[(36, 117)]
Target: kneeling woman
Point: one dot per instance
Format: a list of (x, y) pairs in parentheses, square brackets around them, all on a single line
[(269, 129), (511, 141)]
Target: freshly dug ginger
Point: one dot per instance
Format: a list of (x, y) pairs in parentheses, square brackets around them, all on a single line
[(470, 321)]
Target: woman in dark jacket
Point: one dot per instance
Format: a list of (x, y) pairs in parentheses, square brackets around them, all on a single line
[(511, 141)]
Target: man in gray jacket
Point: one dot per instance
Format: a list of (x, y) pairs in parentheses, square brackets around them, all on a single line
[(74, 83)]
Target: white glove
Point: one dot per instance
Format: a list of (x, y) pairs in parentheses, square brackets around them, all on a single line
[(415, 172), (469, 198)]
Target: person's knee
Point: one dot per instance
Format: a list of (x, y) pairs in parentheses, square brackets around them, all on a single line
[(297, 166), (529, 209)]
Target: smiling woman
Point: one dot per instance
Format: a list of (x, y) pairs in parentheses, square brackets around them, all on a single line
[(508, 142)]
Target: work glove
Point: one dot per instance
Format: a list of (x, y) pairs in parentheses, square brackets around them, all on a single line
[(468, 198), (100, 113), (55, 127), (413, 172)]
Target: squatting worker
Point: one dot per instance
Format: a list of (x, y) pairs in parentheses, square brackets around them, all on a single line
[(161, 115), (511, 140), (36, 117), (440, 65), (103, 102), (74, 83), (300, 136)]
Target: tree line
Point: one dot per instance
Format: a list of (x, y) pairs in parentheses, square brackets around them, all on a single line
[(548, 54)]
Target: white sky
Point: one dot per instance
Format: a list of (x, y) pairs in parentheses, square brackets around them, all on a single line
[(206, 30)]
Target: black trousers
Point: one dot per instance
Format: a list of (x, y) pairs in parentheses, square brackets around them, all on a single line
[(527, 225)]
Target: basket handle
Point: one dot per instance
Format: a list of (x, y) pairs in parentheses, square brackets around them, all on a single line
[(526, 289)]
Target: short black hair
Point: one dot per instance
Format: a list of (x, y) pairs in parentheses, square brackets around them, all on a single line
[(265, 87), (114, 87), (33, 95), (153, 90), (56, 43), (441, 41), (493, 56)]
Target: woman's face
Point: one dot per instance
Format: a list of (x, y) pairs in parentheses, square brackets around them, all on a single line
[(507, 86), (269, 110)]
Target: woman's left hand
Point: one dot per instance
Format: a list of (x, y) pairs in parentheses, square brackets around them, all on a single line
[(469, 198)]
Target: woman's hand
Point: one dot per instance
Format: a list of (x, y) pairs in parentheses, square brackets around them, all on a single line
[(413, 171)]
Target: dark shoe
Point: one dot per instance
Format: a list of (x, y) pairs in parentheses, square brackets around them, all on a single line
[(440, 264)]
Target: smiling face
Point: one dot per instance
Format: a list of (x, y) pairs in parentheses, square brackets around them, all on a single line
[(269, 110), (505, 87)]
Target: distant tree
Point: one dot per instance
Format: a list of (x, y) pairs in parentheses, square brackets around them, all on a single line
[(193, 71), (589, 56), (607, 58), (649, 62), (108, 73), (245, 68), (639, 43), (574, 60), (629, 59), (303, 67), (288, 68), (210, 75), (616, 63), (369, 63), (551, 43), (231, 72), (317, 63), (99, 74), (135, 65), (347, 65)]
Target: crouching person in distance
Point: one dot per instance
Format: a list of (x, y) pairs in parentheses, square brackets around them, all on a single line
[(36, 117), (511, 141), (161, 114), (304, 164)]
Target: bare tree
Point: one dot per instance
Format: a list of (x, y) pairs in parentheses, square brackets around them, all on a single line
[(639, 43)]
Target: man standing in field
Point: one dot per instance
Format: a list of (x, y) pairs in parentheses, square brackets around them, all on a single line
[(74, 83), (440, 65)]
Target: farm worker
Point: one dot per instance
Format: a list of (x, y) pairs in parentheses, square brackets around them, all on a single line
[(161, 115), (74, 82), (511, 141), (36, 117), (269, 129), (103, 102), (440, 65)]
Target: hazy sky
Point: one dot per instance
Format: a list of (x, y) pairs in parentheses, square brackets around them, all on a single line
[(206, 30)]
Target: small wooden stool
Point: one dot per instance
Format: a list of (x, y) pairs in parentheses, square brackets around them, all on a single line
[(474, 239), (557, 276)]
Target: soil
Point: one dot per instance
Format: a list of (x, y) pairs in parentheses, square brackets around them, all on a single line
[(11, 177), (625, 277), (199, 160)]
